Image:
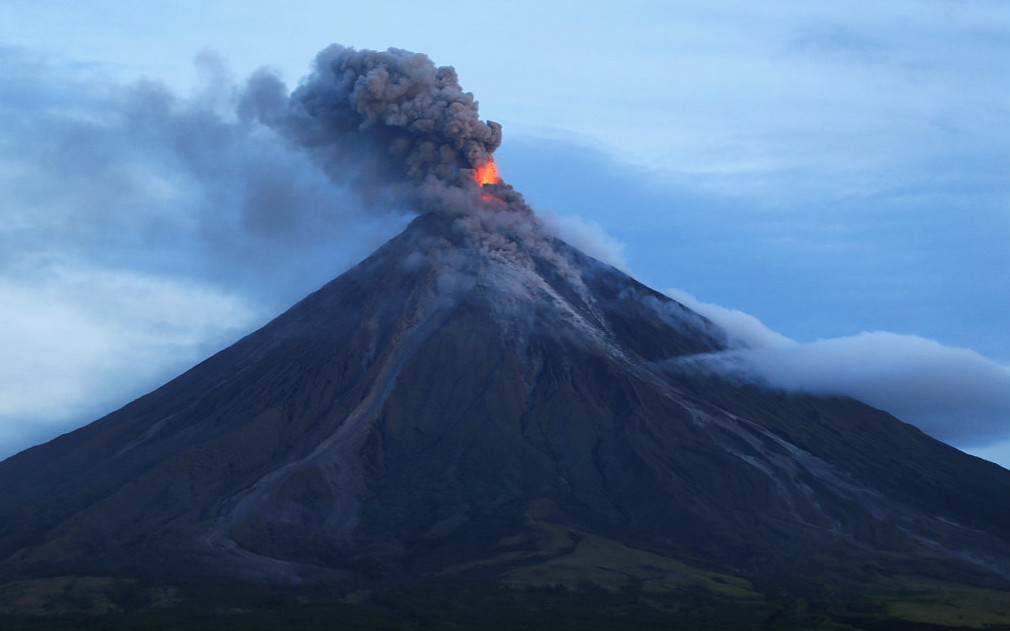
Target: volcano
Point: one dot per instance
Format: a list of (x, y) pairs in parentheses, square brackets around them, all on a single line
[(480, 426), (480, 399)]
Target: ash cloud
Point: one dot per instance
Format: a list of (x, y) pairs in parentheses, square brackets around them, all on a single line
[(389, 124), (99, 174)]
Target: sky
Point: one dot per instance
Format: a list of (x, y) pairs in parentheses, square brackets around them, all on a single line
[(828, 181)]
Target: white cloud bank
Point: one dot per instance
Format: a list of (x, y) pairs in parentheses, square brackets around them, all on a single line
[(953, 394), (79, 340)]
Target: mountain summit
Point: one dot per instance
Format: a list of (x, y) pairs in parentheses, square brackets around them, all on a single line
[(479, 394)]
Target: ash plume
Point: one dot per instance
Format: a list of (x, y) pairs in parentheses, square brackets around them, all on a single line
[(390, 124), (151, 223)]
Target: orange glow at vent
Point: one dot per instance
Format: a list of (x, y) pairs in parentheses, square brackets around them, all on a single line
[(487, 174)]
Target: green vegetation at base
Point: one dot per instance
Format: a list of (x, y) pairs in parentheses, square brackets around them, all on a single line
[(934, 603), (444, 604), (481, 602), (550, 577)]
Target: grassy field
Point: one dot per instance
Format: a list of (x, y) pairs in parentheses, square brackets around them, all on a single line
[(554, 578)]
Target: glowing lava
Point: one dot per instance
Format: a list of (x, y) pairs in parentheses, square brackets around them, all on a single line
[(487, 174)]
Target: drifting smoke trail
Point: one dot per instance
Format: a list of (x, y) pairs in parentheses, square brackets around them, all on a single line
[(390, 124), (153, 226)]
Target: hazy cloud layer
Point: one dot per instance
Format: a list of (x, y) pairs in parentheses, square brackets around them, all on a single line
[(79, 341), (141, 230), (928, 255)]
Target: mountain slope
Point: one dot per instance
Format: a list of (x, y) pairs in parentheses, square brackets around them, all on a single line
[(461, 397)]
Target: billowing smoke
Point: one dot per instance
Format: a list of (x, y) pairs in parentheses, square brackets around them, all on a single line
[(391, 125)]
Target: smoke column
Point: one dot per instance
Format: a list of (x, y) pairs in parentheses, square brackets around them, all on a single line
[(390, 124)]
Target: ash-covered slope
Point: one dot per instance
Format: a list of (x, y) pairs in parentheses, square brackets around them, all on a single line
[(467, 386)]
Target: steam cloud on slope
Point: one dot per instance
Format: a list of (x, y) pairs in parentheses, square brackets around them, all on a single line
[(953, 394)]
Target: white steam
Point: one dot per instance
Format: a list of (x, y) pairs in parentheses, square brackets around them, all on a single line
[(953, 394), (744, 329), (588, 236)]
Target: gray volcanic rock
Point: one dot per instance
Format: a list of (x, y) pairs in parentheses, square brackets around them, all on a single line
[(410, 417)]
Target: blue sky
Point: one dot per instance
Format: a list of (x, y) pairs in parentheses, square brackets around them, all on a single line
[(835, 172)]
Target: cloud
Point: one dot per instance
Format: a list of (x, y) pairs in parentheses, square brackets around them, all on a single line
[(588, 236), (998, 452), (393, 113), (953, 394), (79, 340), (744, 329)]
